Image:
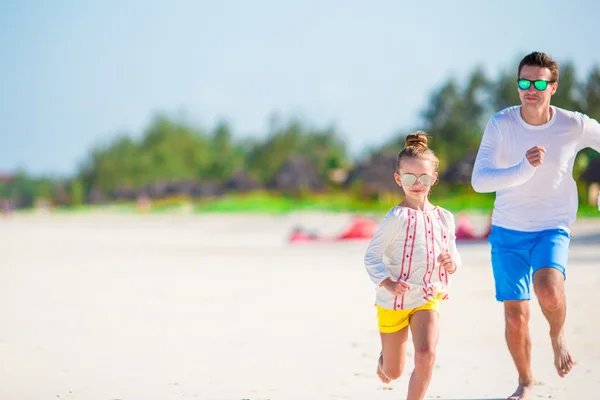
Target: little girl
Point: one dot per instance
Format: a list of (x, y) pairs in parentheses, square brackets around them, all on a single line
[(410, 259)]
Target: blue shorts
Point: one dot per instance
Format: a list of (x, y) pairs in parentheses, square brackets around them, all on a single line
[(517, 255)]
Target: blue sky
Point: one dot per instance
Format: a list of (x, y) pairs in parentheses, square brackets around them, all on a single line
[(77, 73)]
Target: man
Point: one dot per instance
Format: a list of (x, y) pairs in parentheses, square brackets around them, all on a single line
[(526, 156)]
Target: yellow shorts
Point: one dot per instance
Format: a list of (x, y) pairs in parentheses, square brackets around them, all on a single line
[(391, 321)]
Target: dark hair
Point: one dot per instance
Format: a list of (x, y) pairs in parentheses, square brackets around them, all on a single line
[(415, 146), (538, 59)]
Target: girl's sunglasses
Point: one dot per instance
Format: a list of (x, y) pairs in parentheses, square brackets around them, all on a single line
[(540, 85), (410, 179)]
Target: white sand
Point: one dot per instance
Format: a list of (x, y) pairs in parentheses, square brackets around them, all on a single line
[(221, 307)]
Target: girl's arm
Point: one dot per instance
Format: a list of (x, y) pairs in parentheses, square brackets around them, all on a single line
[(388, 230), (452, 249)]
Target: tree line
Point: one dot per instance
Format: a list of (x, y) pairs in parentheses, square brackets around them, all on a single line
[(174, 157)]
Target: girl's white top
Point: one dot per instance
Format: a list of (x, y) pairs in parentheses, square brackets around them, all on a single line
[(406, 246)]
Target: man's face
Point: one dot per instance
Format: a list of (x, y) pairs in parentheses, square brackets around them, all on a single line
[(531, 96)]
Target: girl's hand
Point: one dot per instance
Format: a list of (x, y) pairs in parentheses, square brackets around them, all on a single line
[(397, 288), (446, 261)]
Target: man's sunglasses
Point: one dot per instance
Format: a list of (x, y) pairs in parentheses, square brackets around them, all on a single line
[(540, 85), (410, 179)]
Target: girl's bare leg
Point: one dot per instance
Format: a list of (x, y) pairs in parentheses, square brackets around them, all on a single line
[(425, 332), (393, 355)]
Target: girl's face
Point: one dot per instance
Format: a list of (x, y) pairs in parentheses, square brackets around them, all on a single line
[(416, 177)]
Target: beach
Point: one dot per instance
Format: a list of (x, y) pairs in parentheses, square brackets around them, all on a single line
[(223, 307)]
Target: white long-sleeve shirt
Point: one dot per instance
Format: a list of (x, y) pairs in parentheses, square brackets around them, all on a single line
[(406, 246), (533, 198)]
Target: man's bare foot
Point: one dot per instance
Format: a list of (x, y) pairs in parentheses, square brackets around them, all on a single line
[(523, 392), (380, 373), (563, 360)]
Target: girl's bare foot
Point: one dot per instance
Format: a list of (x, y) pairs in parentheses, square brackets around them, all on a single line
[(523, 392), (380, 373)]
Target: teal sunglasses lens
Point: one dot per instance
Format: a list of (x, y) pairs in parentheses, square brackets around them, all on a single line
[(524, 84), (540, 85)]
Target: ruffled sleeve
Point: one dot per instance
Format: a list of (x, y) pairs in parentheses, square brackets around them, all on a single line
[(393, 223), (448, 219)]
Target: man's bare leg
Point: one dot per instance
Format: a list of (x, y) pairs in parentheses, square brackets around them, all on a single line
[(549, 286), (424, 325), (516, 314), (393, 355)]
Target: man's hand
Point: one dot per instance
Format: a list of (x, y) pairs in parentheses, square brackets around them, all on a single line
[(535, 155), (446, 261), (397, 288)]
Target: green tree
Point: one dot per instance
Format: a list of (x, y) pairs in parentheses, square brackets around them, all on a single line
[(225, 157), (77, 193)]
